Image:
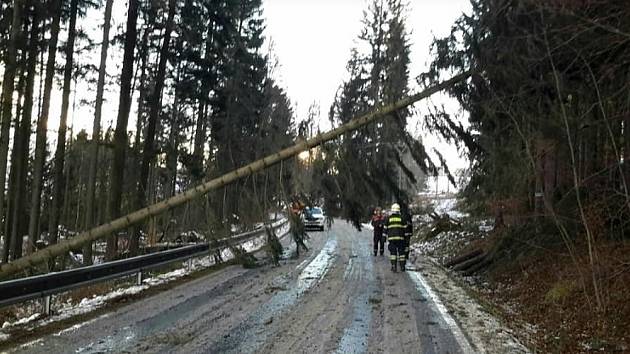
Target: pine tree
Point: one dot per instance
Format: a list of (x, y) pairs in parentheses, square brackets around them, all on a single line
[(8, 85), (372, 170), (120, 135), (63, 124), (96, 131), (22, 136), (155, 101), (42, 126)]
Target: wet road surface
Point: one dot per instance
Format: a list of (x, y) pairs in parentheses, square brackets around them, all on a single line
[(337, 297)]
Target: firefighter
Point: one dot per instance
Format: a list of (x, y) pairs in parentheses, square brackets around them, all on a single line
[(378, 220), (394, 230)]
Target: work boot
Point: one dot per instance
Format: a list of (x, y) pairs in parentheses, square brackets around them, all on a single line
[(394, 266), (382, 254), (375, 252), (402, 266)]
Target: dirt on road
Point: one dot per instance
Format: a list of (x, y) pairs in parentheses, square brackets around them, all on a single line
[(337, 297)]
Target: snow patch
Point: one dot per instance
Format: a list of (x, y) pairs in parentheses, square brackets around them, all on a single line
[(448, 206), (485, 332), (4, 337), (21, 321), (86, 305)]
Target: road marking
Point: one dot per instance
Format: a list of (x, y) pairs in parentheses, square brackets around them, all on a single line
[(421, 284)]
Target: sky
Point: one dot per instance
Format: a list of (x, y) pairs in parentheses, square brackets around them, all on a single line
[(312, 40)]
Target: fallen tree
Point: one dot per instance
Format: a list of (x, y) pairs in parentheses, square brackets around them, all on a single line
[(41, 256)]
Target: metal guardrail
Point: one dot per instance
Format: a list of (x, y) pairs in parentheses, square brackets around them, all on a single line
[(43, 286)]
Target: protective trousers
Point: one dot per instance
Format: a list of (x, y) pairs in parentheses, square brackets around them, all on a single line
[(397, 253), (379, 239), (407, 241)]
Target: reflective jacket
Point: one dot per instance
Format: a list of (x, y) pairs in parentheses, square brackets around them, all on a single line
[(395, 227)]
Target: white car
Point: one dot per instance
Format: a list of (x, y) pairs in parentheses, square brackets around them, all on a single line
[(314, 218)]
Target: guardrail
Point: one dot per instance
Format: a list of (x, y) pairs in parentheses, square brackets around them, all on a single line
[(46, 285)]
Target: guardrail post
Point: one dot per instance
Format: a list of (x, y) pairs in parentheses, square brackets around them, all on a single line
[(47, 302), (189, 264), (139, 277)]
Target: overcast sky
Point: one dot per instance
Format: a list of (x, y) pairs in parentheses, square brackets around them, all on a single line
[(313, 38)]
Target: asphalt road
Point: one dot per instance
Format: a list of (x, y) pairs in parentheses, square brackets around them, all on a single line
[(337, 297)]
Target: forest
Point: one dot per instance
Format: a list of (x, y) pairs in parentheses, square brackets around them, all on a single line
[(549, 143), (200, 82), (196, 98), (181, 92)]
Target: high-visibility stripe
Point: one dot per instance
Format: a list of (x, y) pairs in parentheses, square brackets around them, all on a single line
[(392, 258), (396, 226), (401, 258), (395, 219), (395, 238)]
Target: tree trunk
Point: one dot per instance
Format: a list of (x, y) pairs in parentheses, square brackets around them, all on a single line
[(120, 135), (137, 216), (96, 132), (8, 86), (200, 138), (58, 184), (173, 145), (42, 126), (15, 247), (22, 136), (155, 107)]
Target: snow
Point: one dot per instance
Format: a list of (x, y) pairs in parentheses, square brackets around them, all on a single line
[(448, 206), (485, 331), (367, 226), (86, 305), (79, 325)]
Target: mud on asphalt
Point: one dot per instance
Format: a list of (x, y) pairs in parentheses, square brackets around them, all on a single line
[(337, 297)]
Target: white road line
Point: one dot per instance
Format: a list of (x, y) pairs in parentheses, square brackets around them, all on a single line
[(417, 278)]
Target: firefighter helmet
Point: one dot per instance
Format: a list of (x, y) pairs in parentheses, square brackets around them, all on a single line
[(395, 208)]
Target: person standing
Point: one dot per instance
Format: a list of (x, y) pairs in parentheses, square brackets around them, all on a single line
[(378, 223), (394, 230)]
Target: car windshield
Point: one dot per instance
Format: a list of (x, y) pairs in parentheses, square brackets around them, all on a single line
[(315, 211)]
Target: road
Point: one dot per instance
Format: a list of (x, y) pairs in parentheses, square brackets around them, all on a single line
[(337, 297)]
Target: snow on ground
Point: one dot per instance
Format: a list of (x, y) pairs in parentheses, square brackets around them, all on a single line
[(448, 206), (446, 244), (484, 330), (86, 305)]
